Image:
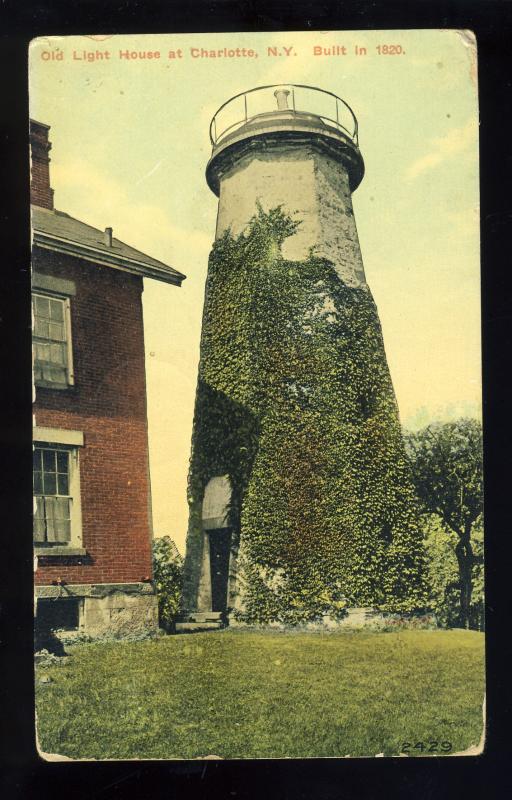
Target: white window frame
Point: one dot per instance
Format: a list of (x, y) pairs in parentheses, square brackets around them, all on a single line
[(70, 375), (57, 439)]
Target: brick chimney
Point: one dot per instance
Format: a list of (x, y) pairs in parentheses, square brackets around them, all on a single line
[(40, 192)]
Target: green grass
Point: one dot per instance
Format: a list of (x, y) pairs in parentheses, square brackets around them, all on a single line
[(259, 695)]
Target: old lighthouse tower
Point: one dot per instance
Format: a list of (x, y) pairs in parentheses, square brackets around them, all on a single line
[(300, 500)]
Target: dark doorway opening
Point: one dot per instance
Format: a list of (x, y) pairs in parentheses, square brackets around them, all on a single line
[(220, 548)]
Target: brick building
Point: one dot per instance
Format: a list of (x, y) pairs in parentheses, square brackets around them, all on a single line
[(92, 520)]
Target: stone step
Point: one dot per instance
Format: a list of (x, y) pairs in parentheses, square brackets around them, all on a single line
[(202, 616), (193, 627)]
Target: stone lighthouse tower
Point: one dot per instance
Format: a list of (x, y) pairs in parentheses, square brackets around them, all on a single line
[(300, 500)]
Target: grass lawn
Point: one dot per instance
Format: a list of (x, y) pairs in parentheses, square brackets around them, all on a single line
[(258, 695)]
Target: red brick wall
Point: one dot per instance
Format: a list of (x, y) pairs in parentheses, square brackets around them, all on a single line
[(40, 192), (107, 403)]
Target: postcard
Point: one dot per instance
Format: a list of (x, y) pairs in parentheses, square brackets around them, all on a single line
[(258, 503)]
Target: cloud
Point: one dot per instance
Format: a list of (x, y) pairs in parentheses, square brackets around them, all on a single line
[(89, 195), (443, 148)]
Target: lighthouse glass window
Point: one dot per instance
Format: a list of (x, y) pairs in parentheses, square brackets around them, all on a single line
[(52, 518), (51, 340)]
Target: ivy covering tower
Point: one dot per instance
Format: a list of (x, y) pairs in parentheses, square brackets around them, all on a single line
[(301, 502)]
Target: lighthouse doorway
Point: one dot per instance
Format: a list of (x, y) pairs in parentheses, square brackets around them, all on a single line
[(217, 540), (220, 549)]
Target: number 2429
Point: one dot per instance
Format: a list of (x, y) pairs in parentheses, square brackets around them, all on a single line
[(432, 746)]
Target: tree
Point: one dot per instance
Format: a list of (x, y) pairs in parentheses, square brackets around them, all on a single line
[(446, 461), (168, 573), (443, 573)]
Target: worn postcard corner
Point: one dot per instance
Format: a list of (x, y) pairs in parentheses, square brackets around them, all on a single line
[(257, 444)]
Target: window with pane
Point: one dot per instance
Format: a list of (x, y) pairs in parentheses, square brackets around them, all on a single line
[(51, 340), (52, 481)]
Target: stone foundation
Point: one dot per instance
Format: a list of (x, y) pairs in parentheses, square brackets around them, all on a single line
[(115, 610), (120, 614), (363, 618), (357, 618)]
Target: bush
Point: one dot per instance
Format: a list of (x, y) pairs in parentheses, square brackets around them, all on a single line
[(168, 573)]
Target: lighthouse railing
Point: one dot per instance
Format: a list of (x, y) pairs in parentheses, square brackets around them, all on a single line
[(247, 106)]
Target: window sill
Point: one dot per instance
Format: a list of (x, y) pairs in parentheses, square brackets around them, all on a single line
[(61, 550), (59, 387)]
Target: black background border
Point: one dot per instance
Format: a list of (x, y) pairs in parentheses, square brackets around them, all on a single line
[(23, 773)]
